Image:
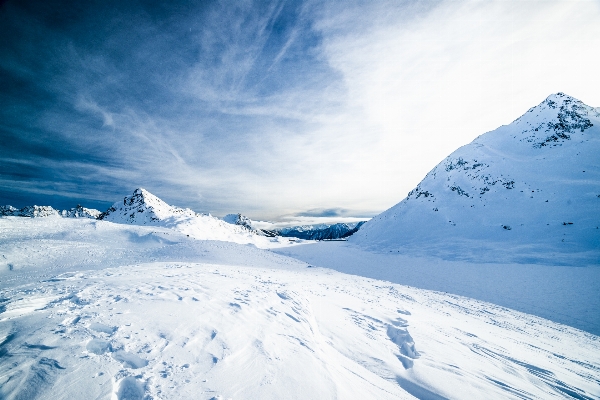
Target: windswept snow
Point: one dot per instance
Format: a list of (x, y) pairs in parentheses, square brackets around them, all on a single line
[(240, 322), (526, 192)]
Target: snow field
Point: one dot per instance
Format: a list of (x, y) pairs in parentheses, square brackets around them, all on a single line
[(92, 309), (564, 294), (190, 330)]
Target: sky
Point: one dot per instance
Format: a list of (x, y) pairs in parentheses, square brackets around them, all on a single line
[(274, 109)]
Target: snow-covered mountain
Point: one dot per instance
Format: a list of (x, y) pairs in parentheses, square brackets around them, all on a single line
[(322, 231), (47, 211), (80, 212), (533, 185), (144, 208), (29, 211)]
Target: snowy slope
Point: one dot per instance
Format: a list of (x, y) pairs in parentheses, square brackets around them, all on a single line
[(141, 320), (533, 185)]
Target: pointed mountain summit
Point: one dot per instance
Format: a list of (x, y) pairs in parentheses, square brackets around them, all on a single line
[(142, 208), (555, 120), (525, 192)]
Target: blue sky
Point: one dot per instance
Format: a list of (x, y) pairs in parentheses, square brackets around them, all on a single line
[(268, 108)]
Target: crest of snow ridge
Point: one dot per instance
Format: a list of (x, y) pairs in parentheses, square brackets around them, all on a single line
[(142, 207)]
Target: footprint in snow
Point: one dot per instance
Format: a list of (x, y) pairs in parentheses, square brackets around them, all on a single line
[(71, 320), (130, 388), (98, 346), (406, 345)]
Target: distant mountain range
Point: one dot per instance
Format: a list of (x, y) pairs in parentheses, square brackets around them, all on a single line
[(307, 232), (526, 190), (144, 208), (322, 231), (47, 211)]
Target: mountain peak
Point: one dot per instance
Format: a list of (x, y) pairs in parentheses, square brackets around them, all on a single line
[(141, 196), (142, 207), (554, 121), (559, 98)]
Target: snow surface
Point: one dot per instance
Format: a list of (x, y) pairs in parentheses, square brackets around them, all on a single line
[(528, 192), (564, 294), (93, 309)]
